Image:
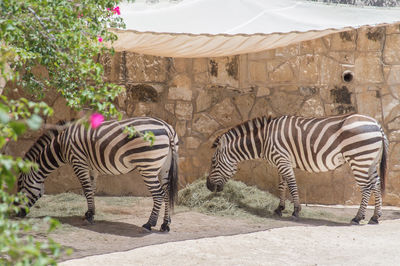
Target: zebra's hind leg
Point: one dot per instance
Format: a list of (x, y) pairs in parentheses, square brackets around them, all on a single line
[(164, 177), (167, 216), (287, 173), (282, 196), (378, 201), (365, 195), (157, 193)]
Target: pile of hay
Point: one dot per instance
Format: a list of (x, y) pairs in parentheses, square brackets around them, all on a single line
[(238, 199)]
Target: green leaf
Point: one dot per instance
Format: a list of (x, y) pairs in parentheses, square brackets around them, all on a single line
[(35, 122), (4, 117), (18, 127)]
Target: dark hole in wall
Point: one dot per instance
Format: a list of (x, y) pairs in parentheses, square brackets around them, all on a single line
[(341, 95), (348, 76), (214, 68), (376, 34), (232, 68), (346, 36), (142, 93)]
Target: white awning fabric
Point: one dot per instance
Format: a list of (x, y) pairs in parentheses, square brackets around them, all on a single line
[(212, 28)]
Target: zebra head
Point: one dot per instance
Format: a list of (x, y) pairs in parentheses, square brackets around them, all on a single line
[(223, 166), (30, 188), (31, 183)]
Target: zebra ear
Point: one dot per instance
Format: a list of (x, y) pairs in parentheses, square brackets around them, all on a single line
[(216, 142)]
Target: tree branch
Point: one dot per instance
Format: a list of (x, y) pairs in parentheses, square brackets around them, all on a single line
[(51, 37)]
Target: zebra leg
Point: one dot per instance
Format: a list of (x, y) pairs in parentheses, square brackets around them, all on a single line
[(366, 178), (282, 196), (153, 185), (167, 216), (164, 177), (287, 173), (93, 179), (365, 195), (378, 205), (378, 200), (83, 174)]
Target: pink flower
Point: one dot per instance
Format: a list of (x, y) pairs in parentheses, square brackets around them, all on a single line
[(116, 10), (96, 119), (7, 139), (99, 38)]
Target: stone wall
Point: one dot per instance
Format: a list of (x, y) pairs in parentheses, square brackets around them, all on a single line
[(354, 71)]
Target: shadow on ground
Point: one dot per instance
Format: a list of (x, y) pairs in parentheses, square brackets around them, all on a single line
[(105, 227)]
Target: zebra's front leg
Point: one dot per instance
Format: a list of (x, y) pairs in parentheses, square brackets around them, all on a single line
[(365, 195), (93, 179), (157, 193), (83, 174), (287, 173), (282, 196)]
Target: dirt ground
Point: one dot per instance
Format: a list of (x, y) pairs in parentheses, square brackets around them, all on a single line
[(118, 223)]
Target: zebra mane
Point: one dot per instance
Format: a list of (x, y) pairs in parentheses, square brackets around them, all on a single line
[(45, 139), (256, 122)]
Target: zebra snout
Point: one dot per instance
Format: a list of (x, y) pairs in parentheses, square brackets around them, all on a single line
[(214, 187), (22, 212), (210, 186)]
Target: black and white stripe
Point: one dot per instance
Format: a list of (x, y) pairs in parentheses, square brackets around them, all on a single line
[(108, 150), (311, 144)]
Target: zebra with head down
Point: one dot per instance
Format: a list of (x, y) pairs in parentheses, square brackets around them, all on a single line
[(311, 144), (108, 150)]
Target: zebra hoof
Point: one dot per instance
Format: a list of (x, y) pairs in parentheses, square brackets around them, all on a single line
[(147, 227), (355, 221), (278, 212), (89, 217), (164, 228), (373, 220), (295, 217), (295, 214)]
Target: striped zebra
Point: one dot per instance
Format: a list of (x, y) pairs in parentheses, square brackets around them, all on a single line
[(311, 144), (108, 150)]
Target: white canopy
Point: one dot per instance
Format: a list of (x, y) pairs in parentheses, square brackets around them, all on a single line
[(211, 28)]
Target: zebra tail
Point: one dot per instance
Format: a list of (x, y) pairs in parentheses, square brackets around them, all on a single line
[(383, 164), (173, 178)]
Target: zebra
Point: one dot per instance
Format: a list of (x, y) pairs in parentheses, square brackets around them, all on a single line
[(311, 144), (110, 150)]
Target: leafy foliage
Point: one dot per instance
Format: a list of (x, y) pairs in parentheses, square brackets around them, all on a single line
[(17, 247), (147, 135), (63, 37), (47, 45)]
